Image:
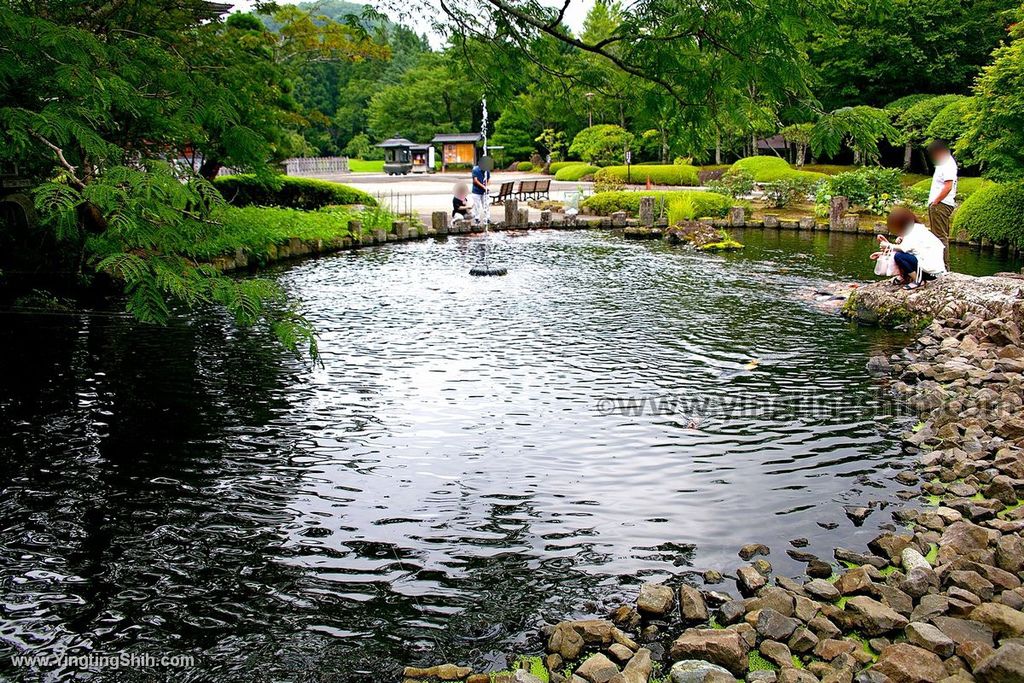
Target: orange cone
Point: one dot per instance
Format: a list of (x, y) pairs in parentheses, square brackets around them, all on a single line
[(649, 182)]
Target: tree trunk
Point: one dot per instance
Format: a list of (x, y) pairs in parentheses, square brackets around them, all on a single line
[(718, 148), (908, 153), (210, 168)]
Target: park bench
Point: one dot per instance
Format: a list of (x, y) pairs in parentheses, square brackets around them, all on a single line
[(504, 192), (534, 189)]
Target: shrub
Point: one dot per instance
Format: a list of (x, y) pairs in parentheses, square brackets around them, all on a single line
[(575, 172), (557, 166), (873, 189), (965, 188), (676, 174), (735, 184), (255, 229), (993, 212), (782, 193), (681, 209), (601, 144), (524, 166), (287, 191), (705, 204), (764, 169)]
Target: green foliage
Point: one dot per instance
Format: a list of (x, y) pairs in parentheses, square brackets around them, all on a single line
[(682, 209), (734, 183), (601, 144), (764, 169), (256, 229), (757, 662), (556, 166), (524, 166), (951, 122), (288, 191), (902, 104), (360, 147), (787, 191), (552, 142), (516, 131), (575, 171), (993, 212), (965, 187), (674, 174), (995, 129), (872, 189), (915, 119), (868, 53), (706, 204), (861, 127)]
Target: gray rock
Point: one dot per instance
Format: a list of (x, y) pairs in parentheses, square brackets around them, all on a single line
[(803, 640), (929, 607), (775, 626), (1004, 621), (930, 638), (749, 580), (874, 618), (793, 675), (694, 671), (777, 653), (731, 612), (1005, 665), (911, 558), (655, 599), (751, 549), (822, 590), (762, 676), (724, 647), (905, 663), (597, 669), (692, 607), (523, 676), (964, 631)]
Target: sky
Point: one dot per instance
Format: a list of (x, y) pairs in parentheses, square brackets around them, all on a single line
[(574, 16)]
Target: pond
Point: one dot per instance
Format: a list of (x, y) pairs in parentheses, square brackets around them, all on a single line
[(475, 455)]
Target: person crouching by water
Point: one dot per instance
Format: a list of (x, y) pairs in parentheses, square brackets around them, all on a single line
[(481, 202), (460, 202), (919, 255)]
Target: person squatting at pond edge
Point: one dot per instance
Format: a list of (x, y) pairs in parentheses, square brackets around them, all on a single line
[(460, 202), (942, 196), (917, 253), (481, 202)]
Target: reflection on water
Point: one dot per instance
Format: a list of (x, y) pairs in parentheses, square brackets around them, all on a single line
[(450, 478)]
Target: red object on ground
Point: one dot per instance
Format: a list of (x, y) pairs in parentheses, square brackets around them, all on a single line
[(648, 182)]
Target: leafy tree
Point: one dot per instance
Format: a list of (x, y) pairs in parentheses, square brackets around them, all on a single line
[(799, 134), (951, 122), (601, 144), (871, 53), (898, 108), (429, 99), (913, 122), (862, 128), (995, 126), (516, 131)]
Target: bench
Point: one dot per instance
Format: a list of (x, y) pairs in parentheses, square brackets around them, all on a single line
[(534, 189), (504, 192)]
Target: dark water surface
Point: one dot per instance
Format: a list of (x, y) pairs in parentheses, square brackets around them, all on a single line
[(475, 456)]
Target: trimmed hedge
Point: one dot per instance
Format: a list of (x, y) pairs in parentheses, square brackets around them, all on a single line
[(290, 192), (575, 172), (774, 169), (705, 204), (993, 212), (524, 166), (675, 174), (965, 188), (557, 166)]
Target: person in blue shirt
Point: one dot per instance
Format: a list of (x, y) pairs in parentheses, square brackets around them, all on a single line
[(481, 202)]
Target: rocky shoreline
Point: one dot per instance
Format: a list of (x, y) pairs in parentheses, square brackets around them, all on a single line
[(937, 597)]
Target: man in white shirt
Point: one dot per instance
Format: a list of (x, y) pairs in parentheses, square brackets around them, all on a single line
[(942, 197), (919, 254)]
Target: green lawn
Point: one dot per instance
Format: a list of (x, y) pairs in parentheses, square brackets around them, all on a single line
[(363, 166)]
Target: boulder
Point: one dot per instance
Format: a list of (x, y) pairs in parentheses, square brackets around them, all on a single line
[(1004, 621), (724, 647), (802, 640), (692, 607), (638, 669), (963, 537), (597, 669), (874, 618), (930, 638), (776, 653), (775, 626), (905, 663), (749, 580), (822, 590), (1010, 553), (1005, 665), (655, 599), (695, 671), (964, 631), (890, 545), (856, 580), (912, 559)]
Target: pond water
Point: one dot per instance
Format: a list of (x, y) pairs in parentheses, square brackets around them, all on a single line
[(475, 455)]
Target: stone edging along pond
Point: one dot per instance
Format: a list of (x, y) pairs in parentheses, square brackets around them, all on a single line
[(937, 598)]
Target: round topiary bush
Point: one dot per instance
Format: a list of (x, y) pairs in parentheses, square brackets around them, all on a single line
[(993, 212), (557, 166), (524, 166), (575, 172), (674, 174), (764, 169)]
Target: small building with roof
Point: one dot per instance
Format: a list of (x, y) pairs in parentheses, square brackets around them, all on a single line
[(458, 148), (402, 156)]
